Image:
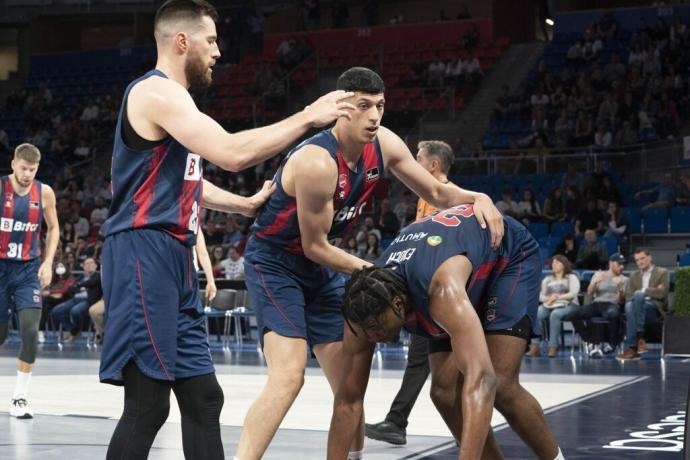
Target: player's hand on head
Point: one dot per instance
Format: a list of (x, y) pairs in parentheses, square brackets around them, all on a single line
[(259, 198), (45, 275), (488, 215), (330, 107)]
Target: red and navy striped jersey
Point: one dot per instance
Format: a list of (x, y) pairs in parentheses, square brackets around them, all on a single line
[(21, 218), (159, 188), (277, 222), (423, 246)]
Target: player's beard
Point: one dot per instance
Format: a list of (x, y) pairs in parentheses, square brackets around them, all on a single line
[(196, 72), (21, 182)]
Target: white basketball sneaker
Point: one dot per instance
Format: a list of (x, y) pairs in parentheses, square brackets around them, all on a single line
[(20, 408)]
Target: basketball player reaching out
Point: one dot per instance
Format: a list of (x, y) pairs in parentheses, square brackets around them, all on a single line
[(441, 278), (25, 203), (155, 339), (292, 261)]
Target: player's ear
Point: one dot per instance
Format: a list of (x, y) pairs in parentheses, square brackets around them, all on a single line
[(399, 306)]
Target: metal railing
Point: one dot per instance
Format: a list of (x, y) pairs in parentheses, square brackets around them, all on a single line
[(636, 162)]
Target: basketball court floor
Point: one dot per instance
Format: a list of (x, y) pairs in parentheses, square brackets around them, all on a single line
[(598, 408)]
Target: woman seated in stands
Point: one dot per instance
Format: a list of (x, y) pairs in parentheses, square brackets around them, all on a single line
[(558, 297)]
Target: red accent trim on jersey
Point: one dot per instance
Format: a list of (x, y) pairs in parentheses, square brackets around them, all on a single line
[(144, 196), (428, 326), (274, 303), (186, 202), (281, 219), (370, 160), (33, 217), (515, 283), (343, 185), (487, 268), (7, 213), (146, 319)]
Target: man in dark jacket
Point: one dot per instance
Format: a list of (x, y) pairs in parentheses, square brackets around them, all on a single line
[(85, 293)]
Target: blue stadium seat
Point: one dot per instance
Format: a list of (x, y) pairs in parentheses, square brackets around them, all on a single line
[(656, 220), (538, 230), (680, 220), (611, 244), (560, 229), (684, 260), (632, 213)]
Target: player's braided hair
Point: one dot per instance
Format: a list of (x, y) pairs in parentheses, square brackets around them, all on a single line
[(369, 292)]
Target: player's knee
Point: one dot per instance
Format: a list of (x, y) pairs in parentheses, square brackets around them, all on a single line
[(28, 320), (151, 415), (287, 380), (507, 392), (442, 395), (201, 399)]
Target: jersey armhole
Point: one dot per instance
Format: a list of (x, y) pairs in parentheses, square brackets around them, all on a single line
[(131, 138)]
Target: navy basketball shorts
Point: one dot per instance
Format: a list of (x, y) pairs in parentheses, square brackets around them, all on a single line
[(293, 296), (512, 300), (153, 311), (19, 286)]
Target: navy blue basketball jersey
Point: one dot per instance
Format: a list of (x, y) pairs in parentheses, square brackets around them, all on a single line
[(277, 223), (423, 246), (158, 188), (20, 222)]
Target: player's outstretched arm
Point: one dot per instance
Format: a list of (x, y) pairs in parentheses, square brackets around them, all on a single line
[(220, 200), (400, 160), (169, 106), (45, 271), (348, 405), (315, 175), (451, 308)]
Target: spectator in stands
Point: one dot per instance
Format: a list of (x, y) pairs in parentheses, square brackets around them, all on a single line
[(590, 50), (608, 192), (595, 182), (99, 212), (71, 261), (400, 208), (340, 14), (367, 228), (614, 70), (617, 223), (539, 98), (558, 300), (473, 70), (454, 73), (592, 254), (233, 266), (311, 14), (589, 219), (668, 118), (583, 130), (436, 72), (502, 108), (97, 315), (81, 225), (607, 110), (605, 295), (507, 206), (214, 232), (388, 222), (646, 301), (665, 194), (372, 250), (608, 25), (68, 236), (351, 246), (554, 207), (85, 293), (558, 98), (529, 210), (56, 293), (471, 38), (568, 247), (216, 255), (573, 203), (603, 136), (562, 130), (683, 194), (574, 54), (637, 55), (540, 123), (572, 177), (627, 135)]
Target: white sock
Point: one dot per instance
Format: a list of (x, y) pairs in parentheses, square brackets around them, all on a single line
[(358, 455), (560, 455), (21, 387)]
